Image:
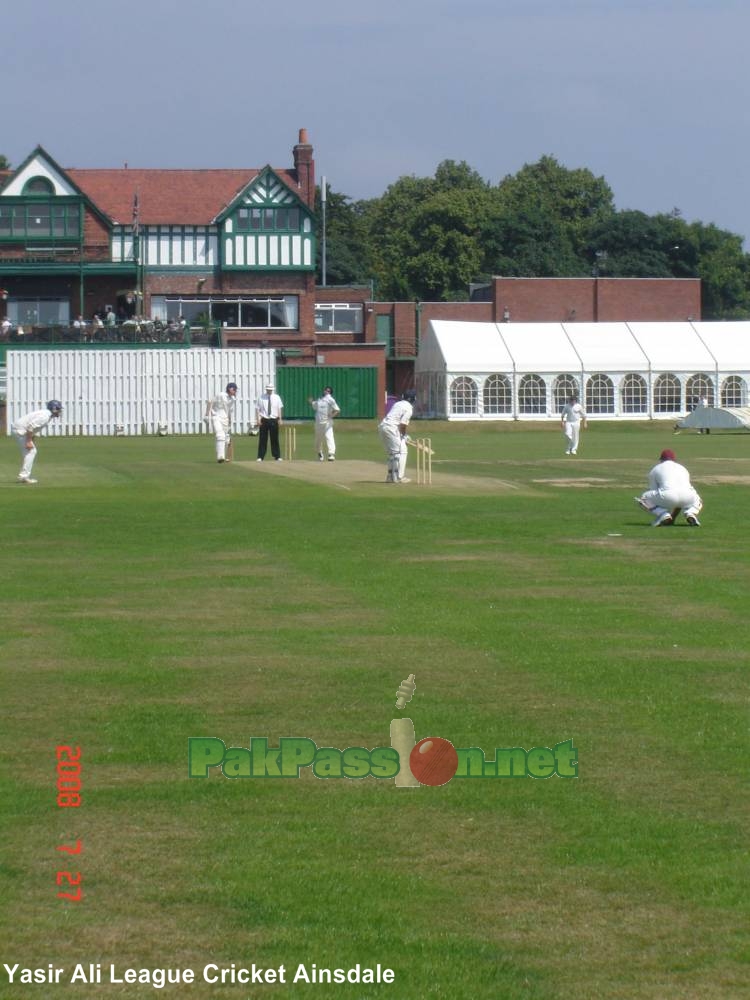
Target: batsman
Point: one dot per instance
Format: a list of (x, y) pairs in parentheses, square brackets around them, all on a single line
[(219, 417), (393, 434)]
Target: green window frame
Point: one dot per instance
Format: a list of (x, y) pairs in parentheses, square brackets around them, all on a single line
[(278, 220), (38, 187), (40, 218)]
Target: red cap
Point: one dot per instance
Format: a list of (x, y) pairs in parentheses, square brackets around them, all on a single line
[(667, 456)]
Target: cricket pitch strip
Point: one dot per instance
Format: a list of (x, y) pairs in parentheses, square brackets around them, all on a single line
[(358, 475)]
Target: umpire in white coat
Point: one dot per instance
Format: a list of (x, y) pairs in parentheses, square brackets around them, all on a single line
[(670, 493)]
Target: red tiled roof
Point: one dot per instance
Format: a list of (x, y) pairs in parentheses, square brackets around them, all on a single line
[(177, 197)]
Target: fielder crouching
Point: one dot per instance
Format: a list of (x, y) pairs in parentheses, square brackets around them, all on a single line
[(670, 493), (393, 431)]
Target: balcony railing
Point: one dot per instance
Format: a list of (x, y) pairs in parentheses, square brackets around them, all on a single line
[(57, 254), (129, 332)]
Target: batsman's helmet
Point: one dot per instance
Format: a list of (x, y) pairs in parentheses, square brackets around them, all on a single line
[(231, 385), (54, 406), (410, 396)]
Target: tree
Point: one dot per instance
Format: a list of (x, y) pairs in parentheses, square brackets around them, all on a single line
[(725, 272), (430, 237), (642, 246), (446, 246), (425, 233), (526, 241), (546, 200), (4, 162), (347, 251), (389, 222)]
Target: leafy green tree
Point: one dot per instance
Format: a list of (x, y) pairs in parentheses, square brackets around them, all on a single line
[(664, 246), (426, 233), (4, 162), (725, 272), (637, 245), (389, 222), (429, 237), (528, 242), (546, 214), (447, 250), (347, 251)]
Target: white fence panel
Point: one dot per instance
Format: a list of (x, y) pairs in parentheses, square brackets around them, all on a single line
[(135, 392)]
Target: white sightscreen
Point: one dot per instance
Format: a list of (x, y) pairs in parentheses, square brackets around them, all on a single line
[(135, 391)]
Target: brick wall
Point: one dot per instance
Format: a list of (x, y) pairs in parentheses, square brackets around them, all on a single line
[(649, 299), (590, 300)]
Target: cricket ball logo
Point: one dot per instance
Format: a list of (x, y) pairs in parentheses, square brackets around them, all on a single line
[(432, 761)]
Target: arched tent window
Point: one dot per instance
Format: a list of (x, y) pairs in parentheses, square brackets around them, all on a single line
[(698, 388), (464, 395), (565, 387), (634, 394), (600, 394), (532, 394), (733, 391), (497, 394), (39, 186), (667, 394)]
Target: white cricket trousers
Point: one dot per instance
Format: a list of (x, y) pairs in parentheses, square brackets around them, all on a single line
[(396, 450), (666, 501), (324, 436), (27, 456), (572, 434), (221, 433)]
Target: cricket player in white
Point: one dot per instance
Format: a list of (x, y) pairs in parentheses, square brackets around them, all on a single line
[(669, 492), (392, 430), (326, 410), (219, 415), (571, 419), (25, 429)]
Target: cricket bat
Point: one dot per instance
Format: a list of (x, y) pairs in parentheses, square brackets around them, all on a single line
[(230, 450)]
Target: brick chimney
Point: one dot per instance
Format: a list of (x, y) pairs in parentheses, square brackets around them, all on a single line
[(304, 166)]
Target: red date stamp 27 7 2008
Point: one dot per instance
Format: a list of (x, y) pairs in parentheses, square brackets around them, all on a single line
[(69, 795)]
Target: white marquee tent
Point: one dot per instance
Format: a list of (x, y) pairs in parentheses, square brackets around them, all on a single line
[(526, 371)]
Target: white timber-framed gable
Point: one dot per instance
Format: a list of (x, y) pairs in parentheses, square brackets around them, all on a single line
[(40, 164), (267, 227), (40, 206)]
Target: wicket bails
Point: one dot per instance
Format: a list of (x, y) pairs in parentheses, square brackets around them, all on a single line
[(290, 442), (424, 461)]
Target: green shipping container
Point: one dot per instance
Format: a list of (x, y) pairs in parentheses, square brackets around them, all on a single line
[(354, 389)]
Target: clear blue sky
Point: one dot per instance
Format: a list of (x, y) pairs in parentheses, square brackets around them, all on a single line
[(654, 96)]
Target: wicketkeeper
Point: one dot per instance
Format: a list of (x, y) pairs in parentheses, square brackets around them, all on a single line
[(670, 493)]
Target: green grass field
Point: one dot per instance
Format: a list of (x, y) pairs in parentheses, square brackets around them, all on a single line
[(150, 596)]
